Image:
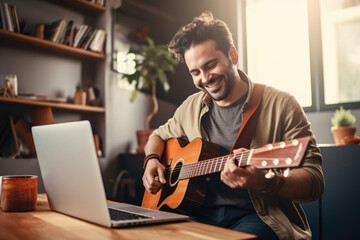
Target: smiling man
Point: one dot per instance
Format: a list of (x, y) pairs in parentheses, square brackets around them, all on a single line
[(242, 199)]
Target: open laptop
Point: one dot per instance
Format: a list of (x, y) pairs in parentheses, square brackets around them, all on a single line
[(72, 178)]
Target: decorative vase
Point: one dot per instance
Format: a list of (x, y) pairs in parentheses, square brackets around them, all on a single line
[(80, 98), (341, 132), (142, 138)]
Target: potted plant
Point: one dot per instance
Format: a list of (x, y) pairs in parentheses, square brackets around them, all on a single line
[(343, 125), (152, 64), (80, 95)]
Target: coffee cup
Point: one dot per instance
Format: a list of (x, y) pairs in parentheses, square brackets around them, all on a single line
[(19, 193)]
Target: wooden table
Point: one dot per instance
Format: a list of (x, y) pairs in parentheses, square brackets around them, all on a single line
[(46, 224)]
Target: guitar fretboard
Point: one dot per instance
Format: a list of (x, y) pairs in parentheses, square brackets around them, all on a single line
[(212, 165)]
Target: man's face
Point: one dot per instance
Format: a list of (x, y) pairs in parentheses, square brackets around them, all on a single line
[(210, 69)]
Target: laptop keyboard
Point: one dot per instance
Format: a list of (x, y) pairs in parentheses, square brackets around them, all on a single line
[(118, 215)]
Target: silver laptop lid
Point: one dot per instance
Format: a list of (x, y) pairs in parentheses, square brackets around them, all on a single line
[(70, 170)]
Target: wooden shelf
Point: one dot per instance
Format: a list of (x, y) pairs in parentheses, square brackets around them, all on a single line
[(45, 44), (65, 106), (81, 5)]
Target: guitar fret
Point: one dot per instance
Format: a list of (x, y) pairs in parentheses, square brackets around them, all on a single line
[(200, 167), (220, 165), (193, 169), (212, 167), (208, 167)]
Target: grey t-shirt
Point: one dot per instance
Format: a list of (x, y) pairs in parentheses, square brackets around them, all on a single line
[(222, 125)]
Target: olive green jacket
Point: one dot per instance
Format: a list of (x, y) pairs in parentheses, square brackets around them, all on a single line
[(281, 118)]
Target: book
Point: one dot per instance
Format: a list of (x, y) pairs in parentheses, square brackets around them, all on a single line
[(71, 36), (94, 42), (85, 37), (62, 31), (79, 34), (67, 33), (98, 42), (52, 31), (8, 18), (86, 46), (102, 42), (15, 18)]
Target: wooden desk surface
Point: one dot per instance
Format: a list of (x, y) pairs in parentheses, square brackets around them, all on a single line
[(46, 224)]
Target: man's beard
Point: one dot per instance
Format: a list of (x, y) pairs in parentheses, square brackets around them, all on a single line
[(229, 83)]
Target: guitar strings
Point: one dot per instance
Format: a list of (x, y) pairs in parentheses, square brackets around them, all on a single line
[(201, 165)]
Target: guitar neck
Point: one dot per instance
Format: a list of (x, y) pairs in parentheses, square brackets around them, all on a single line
[(213, 165)]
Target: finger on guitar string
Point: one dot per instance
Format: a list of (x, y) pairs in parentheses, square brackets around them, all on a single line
[(150, 184), (152, 188), (161, 177), (240, 150)]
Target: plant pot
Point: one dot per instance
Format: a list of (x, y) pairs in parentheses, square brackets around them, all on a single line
[(341, 132), (142, 138), (80, 98)]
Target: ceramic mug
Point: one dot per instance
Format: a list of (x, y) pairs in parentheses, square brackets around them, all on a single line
[(19, 193)]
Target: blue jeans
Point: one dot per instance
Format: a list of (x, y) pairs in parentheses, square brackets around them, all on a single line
[(236, 219)]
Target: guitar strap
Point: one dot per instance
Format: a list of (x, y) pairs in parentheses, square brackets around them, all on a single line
[(251, 116)]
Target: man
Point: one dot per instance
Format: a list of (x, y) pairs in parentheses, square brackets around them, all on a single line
[(242, 199)]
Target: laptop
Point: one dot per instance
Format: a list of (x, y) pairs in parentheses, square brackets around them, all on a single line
[(72, 179)]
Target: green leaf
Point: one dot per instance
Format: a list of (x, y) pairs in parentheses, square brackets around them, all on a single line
[(163, 80), (150, 42), (134, 95), (343, 118)]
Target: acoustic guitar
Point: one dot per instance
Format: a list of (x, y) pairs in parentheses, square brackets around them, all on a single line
[(186, 168)]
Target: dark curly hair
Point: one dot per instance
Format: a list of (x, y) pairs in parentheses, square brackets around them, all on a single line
[(202, 28)]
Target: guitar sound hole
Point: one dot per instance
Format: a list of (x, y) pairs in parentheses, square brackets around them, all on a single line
[(175, 173)]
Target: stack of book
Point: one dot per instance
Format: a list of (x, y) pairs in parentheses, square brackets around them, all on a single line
[(8, 17), (86, 37)]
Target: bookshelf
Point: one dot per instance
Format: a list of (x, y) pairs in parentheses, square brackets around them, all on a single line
[(48, 68), (81, 5), (18, 38), (64, 106)]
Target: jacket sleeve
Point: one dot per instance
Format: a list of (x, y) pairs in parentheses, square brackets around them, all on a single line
[(296, 125)]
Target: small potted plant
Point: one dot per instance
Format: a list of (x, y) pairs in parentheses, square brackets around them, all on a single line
[(80, 95), (343, 125), (152, 64)]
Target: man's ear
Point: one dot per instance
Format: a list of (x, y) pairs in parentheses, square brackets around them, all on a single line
[(233, 54)]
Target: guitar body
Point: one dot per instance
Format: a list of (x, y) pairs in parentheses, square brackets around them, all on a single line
[(185, 194)]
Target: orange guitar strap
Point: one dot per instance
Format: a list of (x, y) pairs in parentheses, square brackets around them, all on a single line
[(248, 125)]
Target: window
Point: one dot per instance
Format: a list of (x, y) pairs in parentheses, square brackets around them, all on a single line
[(341, 50), (308, 48), (278, 46)]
